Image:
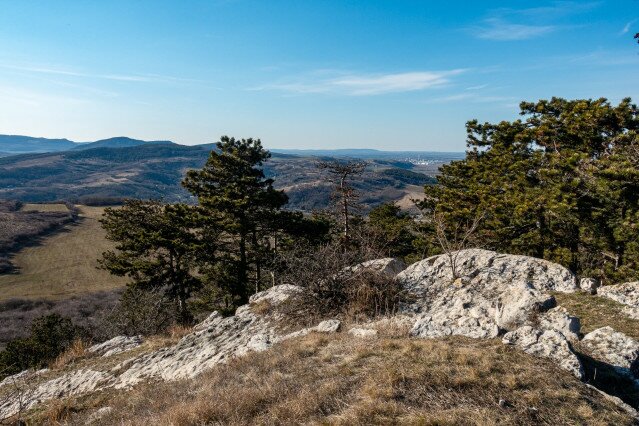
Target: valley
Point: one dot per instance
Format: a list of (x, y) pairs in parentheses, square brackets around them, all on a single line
[(105, 173)]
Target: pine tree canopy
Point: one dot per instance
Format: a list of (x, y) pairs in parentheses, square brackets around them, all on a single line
[(560, 183)]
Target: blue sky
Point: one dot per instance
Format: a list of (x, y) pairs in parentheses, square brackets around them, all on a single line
[(303, 74)]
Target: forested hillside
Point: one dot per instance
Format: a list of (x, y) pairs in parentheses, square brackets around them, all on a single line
[(154, 171)]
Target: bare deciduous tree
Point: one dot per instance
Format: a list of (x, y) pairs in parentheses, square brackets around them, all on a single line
[(345, 197), (456, 238)]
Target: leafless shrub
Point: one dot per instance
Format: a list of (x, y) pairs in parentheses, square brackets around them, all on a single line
[(334, 288), (16, 391), (139, 312), (452, 239), (87, 311)]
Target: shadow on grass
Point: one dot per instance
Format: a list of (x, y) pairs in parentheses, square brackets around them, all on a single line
[(610, 379), (21, 242)]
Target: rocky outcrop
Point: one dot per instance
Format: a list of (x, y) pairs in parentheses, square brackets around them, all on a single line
[(614, 348), (548, 344), (78, 382), (487, 296), (388, 266), (627, 294), (494, 292), (116, 345), (214, 341)]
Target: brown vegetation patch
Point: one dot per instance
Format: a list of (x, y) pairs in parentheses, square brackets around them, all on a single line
[(336, 379), (77, 351), (596, 312)]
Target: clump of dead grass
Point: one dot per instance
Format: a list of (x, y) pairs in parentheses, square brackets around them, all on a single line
[(78, 350), (322, 379), (177, 331)]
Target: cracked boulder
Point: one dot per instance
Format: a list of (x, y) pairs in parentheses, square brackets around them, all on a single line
[(548, 344), (488, 294), (614, 348), (626, 294)]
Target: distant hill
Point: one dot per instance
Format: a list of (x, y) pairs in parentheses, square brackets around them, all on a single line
[(117, 142), (372, 154), (16, 144), (155, 170)]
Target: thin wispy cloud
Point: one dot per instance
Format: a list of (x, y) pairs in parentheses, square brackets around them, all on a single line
[(472, 97), (12, 95), (506, 24), (627, 27), (367, 84), (478, 87), (139, 78), (497, 29)]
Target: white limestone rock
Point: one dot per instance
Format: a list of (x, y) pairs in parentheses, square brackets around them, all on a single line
[(388, 266), (589, 285), (614, 348), (548, 344), (276, 294), (363, 333), (98, 415), (116, 345), (495, 292), (327, 326), (74, 383), (215, 340), (626, 293), (560, 320)]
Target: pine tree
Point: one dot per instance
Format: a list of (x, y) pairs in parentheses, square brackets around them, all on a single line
[(155, 247), (240, 203)]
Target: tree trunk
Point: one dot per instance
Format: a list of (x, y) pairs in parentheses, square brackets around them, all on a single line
[(242, 273)]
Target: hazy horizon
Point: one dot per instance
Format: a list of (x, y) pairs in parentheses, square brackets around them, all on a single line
[(387, 75)]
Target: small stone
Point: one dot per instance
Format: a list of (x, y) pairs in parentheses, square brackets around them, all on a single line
[(328, 326), (363, 332), (589, 285)]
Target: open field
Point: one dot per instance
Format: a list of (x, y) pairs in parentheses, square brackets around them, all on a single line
[(30, 207), (64, 264)]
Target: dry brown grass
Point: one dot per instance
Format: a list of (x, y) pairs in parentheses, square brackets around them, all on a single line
[(339, 380), (77, 351), (64, 264), (176, 331), (49, 207), (58, 412), (595, 312)]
